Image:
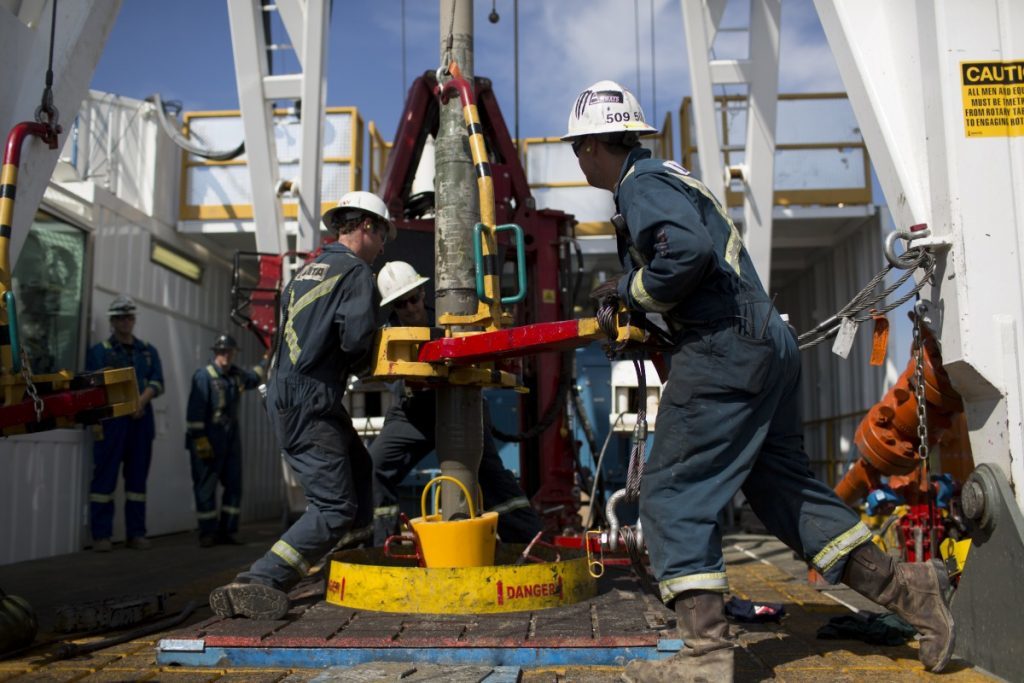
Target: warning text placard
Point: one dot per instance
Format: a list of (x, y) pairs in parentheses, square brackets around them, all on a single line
[(993, 94)]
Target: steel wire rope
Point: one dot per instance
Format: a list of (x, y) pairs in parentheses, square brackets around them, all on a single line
[(597, 468), (654, 77), (403, 83), (636, 40), (866, 298)]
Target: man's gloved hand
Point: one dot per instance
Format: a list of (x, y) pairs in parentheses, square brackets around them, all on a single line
[(204, 451), (607, 293)]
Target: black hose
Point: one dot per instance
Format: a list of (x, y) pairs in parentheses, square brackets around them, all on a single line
[(68, 650)]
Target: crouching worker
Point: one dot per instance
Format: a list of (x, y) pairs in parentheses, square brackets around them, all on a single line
[(409, 431), (214, 440), (326, 331)]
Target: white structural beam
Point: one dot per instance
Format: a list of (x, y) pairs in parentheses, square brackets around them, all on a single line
[(758, 175), (760, 73), (306, 23), (700, 23), (82, 30), (251, 68), (937, 94), (313, 42)]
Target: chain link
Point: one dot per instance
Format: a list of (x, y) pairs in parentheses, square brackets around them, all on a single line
[(922, 416), (30, 387)]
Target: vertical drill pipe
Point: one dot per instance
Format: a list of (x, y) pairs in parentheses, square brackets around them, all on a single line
[(459, 409), (485, 187), (8, 184)]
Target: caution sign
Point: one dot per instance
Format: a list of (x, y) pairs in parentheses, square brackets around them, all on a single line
[(993, 94)]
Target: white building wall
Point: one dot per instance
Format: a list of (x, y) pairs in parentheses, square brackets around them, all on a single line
[(44, 478), (833, 387)]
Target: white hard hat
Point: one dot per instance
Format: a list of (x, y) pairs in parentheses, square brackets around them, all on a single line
[(397, 278), (121, 305), (359, 202), (606, 107)]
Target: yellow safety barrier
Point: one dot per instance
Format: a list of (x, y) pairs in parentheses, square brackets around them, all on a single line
[(367, 580)]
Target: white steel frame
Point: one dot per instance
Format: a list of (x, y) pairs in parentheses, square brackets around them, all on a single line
[(306, 22), (760, 73)]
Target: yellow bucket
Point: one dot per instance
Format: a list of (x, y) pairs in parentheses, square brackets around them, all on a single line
[(457, 543)]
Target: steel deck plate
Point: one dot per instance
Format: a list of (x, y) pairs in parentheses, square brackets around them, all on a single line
[(619, 624)]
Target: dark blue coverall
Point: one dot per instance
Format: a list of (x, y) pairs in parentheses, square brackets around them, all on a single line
[(123, 440), (729, 417), (408, 436), (328, 326), (215, 445)]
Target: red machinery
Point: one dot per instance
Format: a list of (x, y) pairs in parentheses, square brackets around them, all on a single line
[(548, 463)]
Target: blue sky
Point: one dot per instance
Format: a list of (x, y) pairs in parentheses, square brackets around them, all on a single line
[(182, 49)]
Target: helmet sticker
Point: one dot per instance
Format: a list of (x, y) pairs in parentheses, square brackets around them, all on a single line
[(589, 97)]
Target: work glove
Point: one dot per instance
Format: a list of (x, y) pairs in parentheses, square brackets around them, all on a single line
[(204, 451), (607, 293)]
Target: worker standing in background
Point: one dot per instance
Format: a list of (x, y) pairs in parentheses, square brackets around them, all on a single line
[(729, 417), (328, 320), (214, 440), (408, 434), (124, 441)]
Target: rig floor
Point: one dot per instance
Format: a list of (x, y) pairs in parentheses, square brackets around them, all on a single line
[(590, 641)]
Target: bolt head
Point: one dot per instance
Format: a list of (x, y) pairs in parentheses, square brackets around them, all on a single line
[(972, 499)]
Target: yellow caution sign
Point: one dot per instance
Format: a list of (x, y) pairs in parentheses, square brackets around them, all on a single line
[(366, 579), (993, 98)]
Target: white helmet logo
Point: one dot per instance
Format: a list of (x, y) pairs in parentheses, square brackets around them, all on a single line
[(589, 97)]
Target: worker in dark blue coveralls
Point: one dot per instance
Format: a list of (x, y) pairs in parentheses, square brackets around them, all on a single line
[(729, 417), (328, 321), (408, 434), (124, 441), (215, 442)]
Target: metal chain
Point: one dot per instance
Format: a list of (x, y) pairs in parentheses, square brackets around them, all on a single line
[(922, 416), (30, 387)]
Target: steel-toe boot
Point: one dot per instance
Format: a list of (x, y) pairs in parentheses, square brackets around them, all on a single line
[(243, 598), (916, 591), (707, 655)]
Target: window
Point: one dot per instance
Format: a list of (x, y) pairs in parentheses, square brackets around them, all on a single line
[(175, 261), (48, 282)]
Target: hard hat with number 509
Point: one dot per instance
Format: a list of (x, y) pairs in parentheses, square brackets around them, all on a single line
[(606, 107)]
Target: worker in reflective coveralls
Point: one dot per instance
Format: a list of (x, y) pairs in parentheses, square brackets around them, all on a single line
[(729, 417), (214, 440), (124, 441), (328, 320), (408, 434)]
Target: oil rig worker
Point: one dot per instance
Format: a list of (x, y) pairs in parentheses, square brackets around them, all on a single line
[(214, 440), (125, 441), (328, 321), (729, 416), (408, 434)]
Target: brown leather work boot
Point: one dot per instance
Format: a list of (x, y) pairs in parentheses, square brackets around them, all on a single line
[(916, 591), (707, 655)]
